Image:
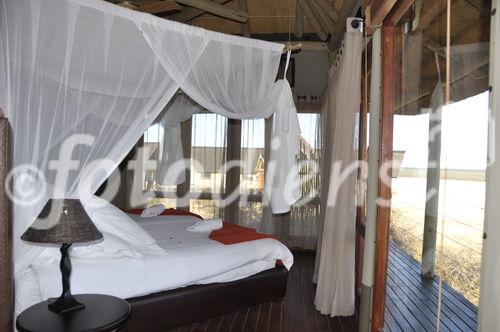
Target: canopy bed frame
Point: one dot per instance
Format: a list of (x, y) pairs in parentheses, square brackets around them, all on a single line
[(91, 96), (154, 312)]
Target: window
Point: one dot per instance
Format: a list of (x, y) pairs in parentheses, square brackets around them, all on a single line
[(208, 157), (208, 182)]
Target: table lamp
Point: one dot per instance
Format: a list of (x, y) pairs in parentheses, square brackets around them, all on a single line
[(64, 222)]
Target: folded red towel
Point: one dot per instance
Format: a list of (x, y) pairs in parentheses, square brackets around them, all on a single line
[(231, 234), (166, 212)]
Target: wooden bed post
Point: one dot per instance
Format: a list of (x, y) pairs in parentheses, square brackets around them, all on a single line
[(6, 284)]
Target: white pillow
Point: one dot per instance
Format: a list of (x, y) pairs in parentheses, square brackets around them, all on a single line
[(110, 219), (109, 247), (153, 211)]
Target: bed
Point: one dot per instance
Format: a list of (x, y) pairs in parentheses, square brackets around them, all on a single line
[(188, 277)]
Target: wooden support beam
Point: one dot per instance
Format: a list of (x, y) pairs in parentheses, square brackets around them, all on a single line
[(245, 27), (307, 45), (397, 13), (308, 11), (299, 21), (384, 189), (184, 188), (217, 9), (150, 6), (432, 202), (379, 9), (325, 20), (190, 13), (430, 13), (233, 174), (156, 7), (329, 9)]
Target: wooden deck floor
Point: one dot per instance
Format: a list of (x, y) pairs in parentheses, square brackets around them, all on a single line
[(411, 305)]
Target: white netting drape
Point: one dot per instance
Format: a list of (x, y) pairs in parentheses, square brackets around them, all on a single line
[(334, 270), (89, 68), (170, 170)]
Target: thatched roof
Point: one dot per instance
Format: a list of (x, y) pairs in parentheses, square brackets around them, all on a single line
[(309, 20)]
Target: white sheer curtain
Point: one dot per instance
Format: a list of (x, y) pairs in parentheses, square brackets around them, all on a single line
[(211, 73), (336, 247), (181, 108), (89, 68), (299, 228)]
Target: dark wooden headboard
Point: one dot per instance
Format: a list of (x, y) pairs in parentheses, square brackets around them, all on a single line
[(6, 284)]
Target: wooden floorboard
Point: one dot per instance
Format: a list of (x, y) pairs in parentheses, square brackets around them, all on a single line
[(411, 304)]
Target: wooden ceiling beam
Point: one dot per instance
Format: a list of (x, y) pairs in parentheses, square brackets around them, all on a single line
[(190, 13), (299, 21), (217, 9), (245, 27), (308, 11), (309, 45), (150, 6), (323, 17), (156, 7), (329, 9), (428, 15)]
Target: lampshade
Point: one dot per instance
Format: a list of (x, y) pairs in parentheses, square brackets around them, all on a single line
[(62, 221)]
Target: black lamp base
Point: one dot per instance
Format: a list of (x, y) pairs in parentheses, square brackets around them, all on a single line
[(64, 305), (66, 302)]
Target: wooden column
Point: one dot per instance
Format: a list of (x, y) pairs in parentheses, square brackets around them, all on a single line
[(232, 210), (361, 210), (384, 189), (432, 203), (183, 189)]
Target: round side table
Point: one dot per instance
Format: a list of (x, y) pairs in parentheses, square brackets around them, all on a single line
[(101, 313)]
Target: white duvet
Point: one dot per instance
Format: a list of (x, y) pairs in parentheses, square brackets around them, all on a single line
[(192, 258)]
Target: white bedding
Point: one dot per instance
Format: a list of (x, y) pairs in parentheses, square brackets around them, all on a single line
[(192, 258)]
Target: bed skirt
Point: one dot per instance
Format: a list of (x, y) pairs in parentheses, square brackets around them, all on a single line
[(162, 311)]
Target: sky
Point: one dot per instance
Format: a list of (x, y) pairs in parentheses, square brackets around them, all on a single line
[(464, 135)]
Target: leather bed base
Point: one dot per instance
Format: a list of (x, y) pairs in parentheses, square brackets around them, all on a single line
[(166, 310)]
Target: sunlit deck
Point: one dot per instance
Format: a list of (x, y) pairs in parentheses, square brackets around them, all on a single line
[(411, 302)]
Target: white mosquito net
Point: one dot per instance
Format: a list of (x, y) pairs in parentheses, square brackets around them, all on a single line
[(81, 80)]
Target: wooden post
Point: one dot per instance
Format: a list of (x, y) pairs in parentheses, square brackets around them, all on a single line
[(233, 175), (183, 189), (360, 214), (433, 178), (365, 307), (245, 27), (384, 189), (299, 21)]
